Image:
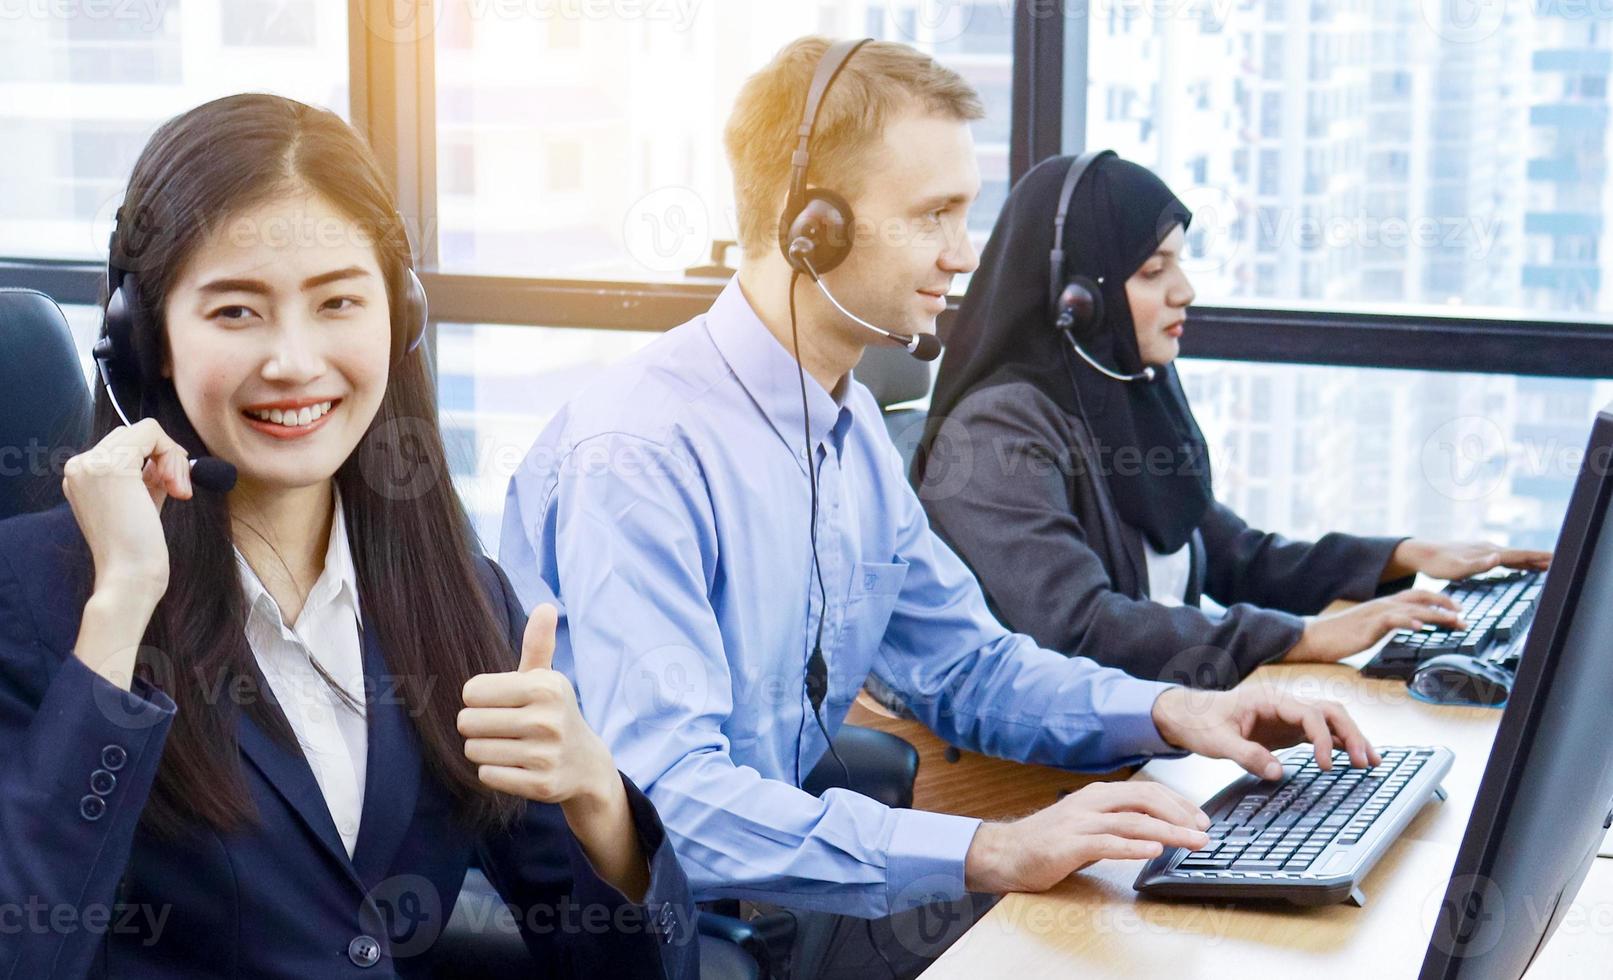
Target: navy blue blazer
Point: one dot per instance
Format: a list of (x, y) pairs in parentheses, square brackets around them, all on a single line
[(85, 892)]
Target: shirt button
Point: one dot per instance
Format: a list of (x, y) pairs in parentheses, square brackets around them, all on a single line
[(102, 782), (364, 951), (92, 808), (113, 757), (868, 582)]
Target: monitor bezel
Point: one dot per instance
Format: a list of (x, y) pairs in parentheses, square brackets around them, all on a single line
[(1563, 584)]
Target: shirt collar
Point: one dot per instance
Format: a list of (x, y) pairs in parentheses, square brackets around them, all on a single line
[(338, 581), (769, 373)]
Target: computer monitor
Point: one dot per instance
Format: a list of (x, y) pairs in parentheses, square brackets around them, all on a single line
[(1547, 794)]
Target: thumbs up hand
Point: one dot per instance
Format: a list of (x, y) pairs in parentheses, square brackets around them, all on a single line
[(527, 736)]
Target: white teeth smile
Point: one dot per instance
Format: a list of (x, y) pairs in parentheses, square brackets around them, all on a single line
[(295, 418)]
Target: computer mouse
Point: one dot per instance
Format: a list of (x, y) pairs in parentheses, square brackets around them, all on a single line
[(1455, 678)]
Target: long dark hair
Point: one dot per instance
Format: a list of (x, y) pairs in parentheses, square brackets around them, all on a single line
[(411, 542)]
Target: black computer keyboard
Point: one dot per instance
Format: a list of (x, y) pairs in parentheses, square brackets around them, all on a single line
[(1497, 609), (1308, 838)]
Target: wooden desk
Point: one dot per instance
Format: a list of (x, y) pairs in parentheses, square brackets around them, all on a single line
[(1094, 925), (975, 785)]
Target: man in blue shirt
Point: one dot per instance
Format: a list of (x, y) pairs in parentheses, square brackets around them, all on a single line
[(668, 507)]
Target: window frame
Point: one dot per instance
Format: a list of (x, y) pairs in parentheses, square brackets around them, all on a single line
[(392, 86)]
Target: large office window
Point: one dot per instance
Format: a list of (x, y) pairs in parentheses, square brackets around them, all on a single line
[(1383, 155), (497, 388), (585, 140), (1413, 158), (1406, 154), (556, 159), (82, 86), (1307, 450)]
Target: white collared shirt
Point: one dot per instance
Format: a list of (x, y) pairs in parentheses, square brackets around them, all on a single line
[(333, 736), (1168, 574)]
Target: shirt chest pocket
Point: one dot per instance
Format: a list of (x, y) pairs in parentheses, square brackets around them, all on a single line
[(870, 596)]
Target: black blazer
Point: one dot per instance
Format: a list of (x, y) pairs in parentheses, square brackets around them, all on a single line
[(87, 893), (1014, 487)]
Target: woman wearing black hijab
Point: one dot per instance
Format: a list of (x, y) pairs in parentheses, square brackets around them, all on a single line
[(1080, 492)]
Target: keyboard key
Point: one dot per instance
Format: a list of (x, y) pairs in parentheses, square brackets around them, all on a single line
[(1203, 864)]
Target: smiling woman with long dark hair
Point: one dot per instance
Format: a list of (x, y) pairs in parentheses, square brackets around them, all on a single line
[(284, 718)]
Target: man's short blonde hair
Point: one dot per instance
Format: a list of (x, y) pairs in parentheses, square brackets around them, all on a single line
[(880, 81)]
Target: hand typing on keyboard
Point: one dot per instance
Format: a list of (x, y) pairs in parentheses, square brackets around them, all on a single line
[(1247, 722), (1342, 634), (1456, 560), (1138, 820), (1101, 821), (1497, 609)]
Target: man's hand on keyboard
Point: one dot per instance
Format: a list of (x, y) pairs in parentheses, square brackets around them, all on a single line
[(1454, 560), (1247, 722), (1120, 821)]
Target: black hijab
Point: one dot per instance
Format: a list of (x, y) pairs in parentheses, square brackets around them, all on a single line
[(1149, 447)]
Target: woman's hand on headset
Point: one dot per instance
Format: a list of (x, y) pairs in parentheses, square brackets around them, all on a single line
[(116, 490)]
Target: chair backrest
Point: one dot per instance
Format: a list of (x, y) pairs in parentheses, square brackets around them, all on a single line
[(894, 376), (44, 401)]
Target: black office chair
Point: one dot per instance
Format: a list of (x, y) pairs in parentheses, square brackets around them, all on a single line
[(44, 401), (481, 942), (882, 767), (894, 377)]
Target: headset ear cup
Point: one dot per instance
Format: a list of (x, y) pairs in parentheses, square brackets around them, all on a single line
[(114, 350), (415, 314), (117, 325), (823, 219), (786, 223), (1095, 309), (1080, 305)]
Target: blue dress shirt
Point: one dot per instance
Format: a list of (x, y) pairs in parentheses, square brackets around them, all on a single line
[(667, 508)]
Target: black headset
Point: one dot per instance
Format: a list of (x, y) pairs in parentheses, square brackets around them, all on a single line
[(1076, 301), (815, 236), (119, 363), (815, 230)]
